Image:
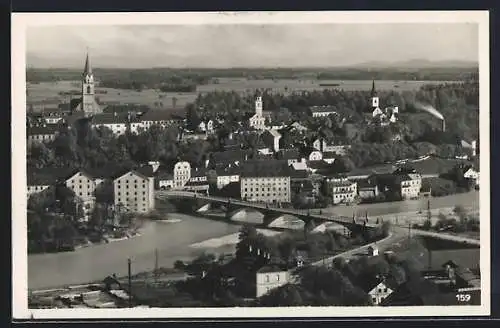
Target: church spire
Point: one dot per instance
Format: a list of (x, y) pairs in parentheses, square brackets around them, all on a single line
[(373, 93), (88, 68)]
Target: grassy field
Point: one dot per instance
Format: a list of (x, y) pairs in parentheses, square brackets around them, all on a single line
[(48, 92)]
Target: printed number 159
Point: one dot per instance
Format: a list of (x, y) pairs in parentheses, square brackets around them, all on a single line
[(463, 297)]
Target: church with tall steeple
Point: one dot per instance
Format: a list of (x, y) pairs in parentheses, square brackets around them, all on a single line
[(87, 103)]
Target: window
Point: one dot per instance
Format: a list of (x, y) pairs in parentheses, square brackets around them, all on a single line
[(88, 89), (267, 278), (374, 300), (278, 277), (385, 290)]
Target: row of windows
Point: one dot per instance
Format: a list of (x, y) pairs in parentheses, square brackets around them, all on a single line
[(344, 189), (135, 193), (266, 179), (136, 181), (144, 198), (35, 188), (264, 195), (43, 137), (135, 186), (344, 196), (263, 189)]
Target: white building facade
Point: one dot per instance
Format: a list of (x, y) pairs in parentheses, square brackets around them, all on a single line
[(344, 191), (182, 174), (258, 121), (272, 189), (134, 192), (411, 184), (267, 281)]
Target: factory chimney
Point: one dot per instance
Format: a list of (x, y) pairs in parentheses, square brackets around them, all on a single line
[(444, 125)]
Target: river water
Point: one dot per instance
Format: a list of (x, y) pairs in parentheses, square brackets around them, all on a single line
[(183, 238)]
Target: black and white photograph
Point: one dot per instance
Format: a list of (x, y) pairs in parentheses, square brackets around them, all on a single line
[(292, 164)]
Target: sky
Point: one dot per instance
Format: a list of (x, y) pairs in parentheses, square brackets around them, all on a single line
[(219, 46)]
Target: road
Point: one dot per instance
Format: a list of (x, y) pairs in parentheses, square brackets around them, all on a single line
[(397, 228)]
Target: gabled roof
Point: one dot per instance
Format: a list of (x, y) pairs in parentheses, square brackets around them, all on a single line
[(43, 129), (265, 168), (292, 153), (109, 118), (145, 170), (329, 154), (368, 284), (44, 176), (322, 109), (161, 115), (341, 183), (198, 172), (191, 183), (273, 133), (271, 268)]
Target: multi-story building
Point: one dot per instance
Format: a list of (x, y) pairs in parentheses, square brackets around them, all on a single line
[(258, 121), (323, 146), (118, 124), (198, 181), (379, 290), (291, 155), (40, 182), (182, 174), (266, 181), (161, 118), (367, 190), (84, 185), (410, 185), (226, 176), (42, 134), (206, 126), (269, 278), (322, 111), (134, 190), (343, 190), (271, 139)]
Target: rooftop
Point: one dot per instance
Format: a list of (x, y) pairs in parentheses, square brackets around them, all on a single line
[(341, 183), (322, 109), (292, 153), (271, 268), (265, 168), (43, 129), (110, 118), (161, 115)]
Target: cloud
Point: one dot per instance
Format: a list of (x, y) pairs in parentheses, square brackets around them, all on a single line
[(249, 45)]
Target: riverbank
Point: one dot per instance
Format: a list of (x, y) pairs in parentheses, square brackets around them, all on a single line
[(175, 242)]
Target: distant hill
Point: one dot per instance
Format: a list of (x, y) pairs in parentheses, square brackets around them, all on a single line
[(418, 63)]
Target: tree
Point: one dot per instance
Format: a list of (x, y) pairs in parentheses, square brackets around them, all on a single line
[(192, 117)]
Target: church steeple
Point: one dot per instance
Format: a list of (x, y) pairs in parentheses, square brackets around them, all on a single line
[(375, 100), (88, 103), (87, 71)]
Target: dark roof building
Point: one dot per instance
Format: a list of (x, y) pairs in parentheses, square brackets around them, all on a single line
[(45, 129), (155, 115), (265, 168)]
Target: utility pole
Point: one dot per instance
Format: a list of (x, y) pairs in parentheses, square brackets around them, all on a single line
[(409, 230), (129, 283), (156, 265), (429, 211)]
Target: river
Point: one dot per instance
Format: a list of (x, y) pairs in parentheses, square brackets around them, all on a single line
[(181, 240)]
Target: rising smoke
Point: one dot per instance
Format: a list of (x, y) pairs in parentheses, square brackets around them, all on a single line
[(429, 109)]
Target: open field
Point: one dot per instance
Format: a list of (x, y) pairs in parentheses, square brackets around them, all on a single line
[(48, 92)]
